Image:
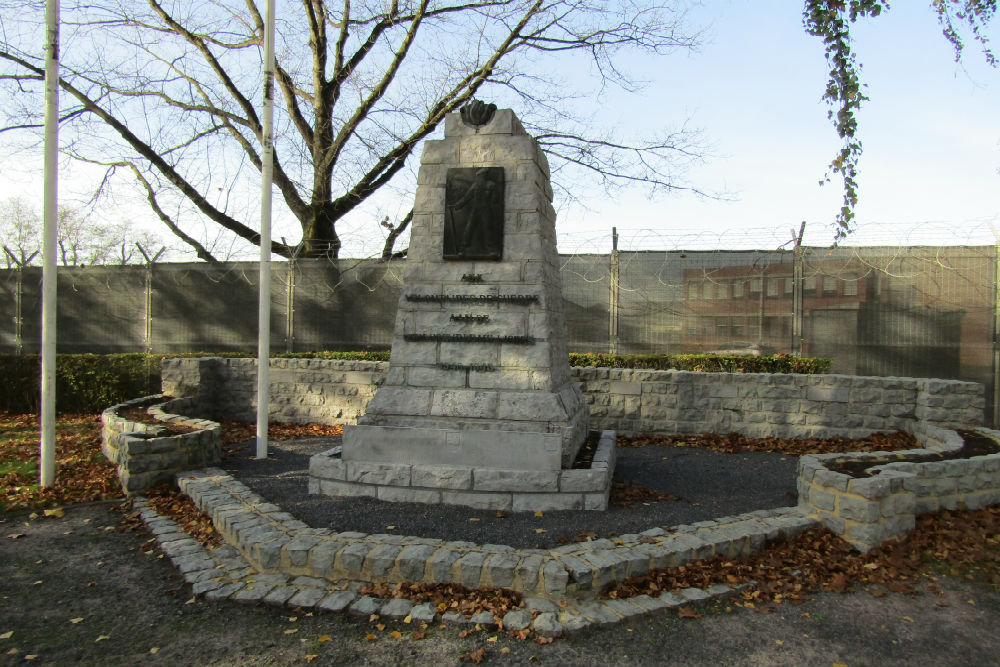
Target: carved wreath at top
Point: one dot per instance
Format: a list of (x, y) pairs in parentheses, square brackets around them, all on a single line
[(477, 113)]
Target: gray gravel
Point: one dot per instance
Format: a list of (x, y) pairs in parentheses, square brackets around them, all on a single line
[(712, 484)]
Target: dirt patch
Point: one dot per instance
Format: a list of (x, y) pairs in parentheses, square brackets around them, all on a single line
[(139, 413), (733, 443), (975, 444)]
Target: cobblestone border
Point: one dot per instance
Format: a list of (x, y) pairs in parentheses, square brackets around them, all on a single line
[(224, 573)]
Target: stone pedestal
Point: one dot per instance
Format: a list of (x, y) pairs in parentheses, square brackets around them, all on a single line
[(479, 376)]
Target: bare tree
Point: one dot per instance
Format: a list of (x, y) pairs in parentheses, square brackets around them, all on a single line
[(81, 240), (168, 91)]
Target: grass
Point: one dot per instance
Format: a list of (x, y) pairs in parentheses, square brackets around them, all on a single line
[(82, 473)]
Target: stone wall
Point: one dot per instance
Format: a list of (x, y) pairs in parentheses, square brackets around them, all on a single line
[(629, 401), (146, 454), (867, 511)]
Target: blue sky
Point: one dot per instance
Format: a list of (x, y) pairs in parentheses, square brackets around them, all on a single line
[(931, 133)]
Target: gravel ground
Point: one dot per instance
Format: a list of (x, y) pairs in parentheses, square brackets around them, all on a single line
[(711, 484)]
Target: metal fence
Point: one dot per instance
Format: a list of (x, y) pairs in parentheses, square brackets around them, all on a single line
[(902, 311)]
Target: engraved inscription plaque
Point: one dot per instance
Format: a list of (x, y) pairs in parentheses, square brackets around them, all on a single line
[(473, 218)]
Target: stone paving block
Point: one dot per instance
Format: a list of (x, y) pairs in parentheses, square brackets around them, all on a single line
[(397, 608), (648, 603), (471, 566), (516, 619), (298, 550), (598, 614), (672, 599), (441, 565), (253, 592), (381, 559), (555, 577), (323, 556), (581, 572), (307, 597), (501, 568), (353, 556), (694, 594), (423, 613), (365, 606), (482, 618), (625, 607), (280, 595), (205, 586), (337, 602), (573, 622), (413, 561), (223, 592), (455, 618), (268, 554), (547, 625)]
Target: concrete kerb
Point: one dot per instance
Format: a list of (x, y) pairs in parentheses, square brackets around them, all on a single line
[(228, 572)]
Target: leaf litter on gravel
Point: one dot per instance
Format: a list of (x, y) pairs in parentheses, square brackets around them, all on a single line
[(733, 443), (962, 543)]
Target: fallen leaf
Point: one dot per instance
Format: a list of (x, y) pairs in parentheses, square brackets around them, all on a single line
[(540, 530), (30, 656), (908, 619), (491, 639), (324, 638), (688, 612), (539, 514), (473, 518), (408, 619), (58, 512), (380, 626), (311, 657), (418, 635), (75, 621), (101, 638), (191, 601), (291, 631), (154, 650), (370, 637), (396, 634), (16, 536), (292, 619), (779, 642), (476, 656), (390, 528), (7, 635), (544, 640)]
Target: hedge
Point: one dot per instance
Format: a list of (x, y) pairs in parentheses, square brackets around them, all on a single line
[(88, 383)]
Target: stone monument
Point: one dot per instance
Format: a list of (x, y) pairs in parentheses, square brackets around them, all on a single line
[(478, 407)]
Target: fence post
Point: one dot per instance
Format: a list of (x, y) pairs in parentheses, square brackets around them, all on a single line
[(797, 290), (290, 300), (18, 298), (613, 296), (147, 335)]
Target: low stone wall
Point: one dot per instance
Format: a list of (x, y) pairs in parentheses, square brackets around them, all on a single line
[(867, 511), (276, 543), (479, 488), (626, 400), (146, 454)]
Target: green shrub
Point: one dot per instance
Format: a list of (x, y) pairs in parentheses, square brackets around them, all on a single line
[(84, 382), (710, 363), (92, 382)]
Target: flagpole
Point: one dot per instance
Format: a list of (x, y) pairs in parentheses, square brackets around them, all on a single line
[(264, 291), (47, 439)]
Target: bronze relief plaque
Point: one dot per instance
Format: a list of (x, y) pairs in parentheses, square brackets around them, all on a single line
[(473, 214)]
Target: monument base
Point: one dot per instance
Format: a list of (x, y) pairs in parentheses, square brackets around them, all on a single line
[(484, 488)]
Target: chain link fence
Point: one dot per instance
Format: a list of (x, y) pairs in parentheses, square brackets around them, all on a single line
[(892, 311)]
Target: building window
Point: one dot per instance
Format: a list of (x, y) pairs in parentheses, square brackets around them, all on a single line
[(722, 291), (772, 286), (692, 291), (829, 285), (755, 285), (706, 290), (737, 289), (789, 285), (739, 326), (809, 284), (851, 286), (722, 326)]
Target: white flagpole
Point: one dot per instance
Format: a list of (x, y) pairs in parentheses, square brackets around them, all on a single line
[(47, 455), (264, 291)]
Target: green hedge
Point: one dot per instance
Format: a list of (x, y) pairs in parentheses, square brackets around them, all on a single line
[(710, 363), (92, 382)]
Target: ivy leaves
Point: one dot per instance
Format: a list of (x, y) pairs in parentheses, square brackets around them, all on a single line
[(831, 21)]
